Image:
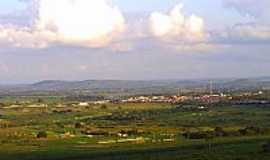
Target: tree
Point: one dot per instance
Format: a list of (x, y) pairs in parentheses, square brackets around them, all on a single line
[(39, 100), (42, 134), (266, 147), (79, 125), (219, 131), (104, 106)]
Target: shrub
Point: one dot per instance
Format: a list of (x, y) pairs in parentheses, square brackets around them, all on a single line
[(79, 125), (104, 106), (199, 135), (266, 147), (219, 132), (251, 131), (42, 134)]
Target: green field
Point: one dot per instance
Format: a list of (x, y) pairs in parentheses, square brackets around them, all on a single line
[(47, 130)]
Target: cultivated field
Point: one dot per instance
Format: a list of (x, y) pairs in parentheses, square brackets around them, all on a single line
[(38, 129)]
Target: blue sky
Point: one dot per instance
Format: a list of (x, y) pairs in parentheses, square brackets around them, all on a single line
[(205, 8), (10, 5), (151, 39)]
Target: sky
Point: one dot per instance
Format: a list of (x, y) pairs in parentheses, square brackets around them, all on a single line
[(133, 40)]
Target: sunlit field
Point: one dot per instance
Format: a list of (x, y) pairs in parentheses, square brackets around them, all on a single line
[(133, 131)]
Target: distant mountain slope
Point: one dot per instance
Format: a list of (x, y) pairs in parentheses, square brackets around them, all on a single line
[(133, 87), (107, 84), (247, 83)]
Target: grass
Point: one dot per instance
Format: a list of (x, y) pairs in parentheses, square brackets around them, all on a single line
[(18, 141), (221, 149)]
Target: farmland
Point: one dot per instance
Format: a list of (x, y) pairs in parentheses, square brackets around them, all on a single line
[(44, 129)]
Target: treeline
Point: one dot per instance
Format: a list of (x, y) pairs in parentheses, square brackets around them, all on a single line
[(220, 132), (84, 98)]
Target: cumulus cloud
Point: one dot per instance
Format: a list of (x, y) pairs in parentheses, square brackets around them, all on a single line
[(176, 25), (245, 33), (253, 8), (258, 28), (252, 31), (73, 22)]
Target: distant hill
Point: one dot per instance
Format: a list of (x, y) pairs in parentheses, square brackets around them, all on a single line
[(133, 87), (247, 83), (108, 84)]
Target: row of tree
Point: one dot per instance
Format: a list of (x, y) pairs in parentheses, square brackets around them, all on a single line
[(220, 132)]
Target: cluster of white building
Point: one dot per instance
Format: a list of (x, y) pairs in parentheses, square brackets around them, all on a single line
[(156, 99)]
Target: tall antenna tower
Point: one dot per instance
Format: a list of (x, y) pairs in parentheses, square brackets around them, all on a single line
[(211, 87), (179, 92)]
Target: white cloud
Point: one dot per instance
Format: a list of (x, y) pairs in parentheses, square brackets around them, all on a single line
[(251, 8), (252, 31), (73, 22), (244, 34), (176, 25), (257, 31), (195, 26)]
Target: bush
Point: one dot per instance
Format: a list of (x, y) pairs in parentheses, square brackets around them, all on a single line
[(42, 134), (252, 131), (104, 106), (266, 147), (199, 135), (219, 132), (79, 125), (39, 100)]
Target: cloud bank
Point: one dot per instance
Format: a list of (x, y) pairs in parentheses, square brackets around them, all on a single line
[(255, 8), (73, 22), (257, 30), (176, 25), (98, 23)]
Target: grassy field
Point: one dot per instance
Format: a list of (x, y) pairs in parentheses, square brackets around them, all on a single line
[(132, 131), (221, 149)]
